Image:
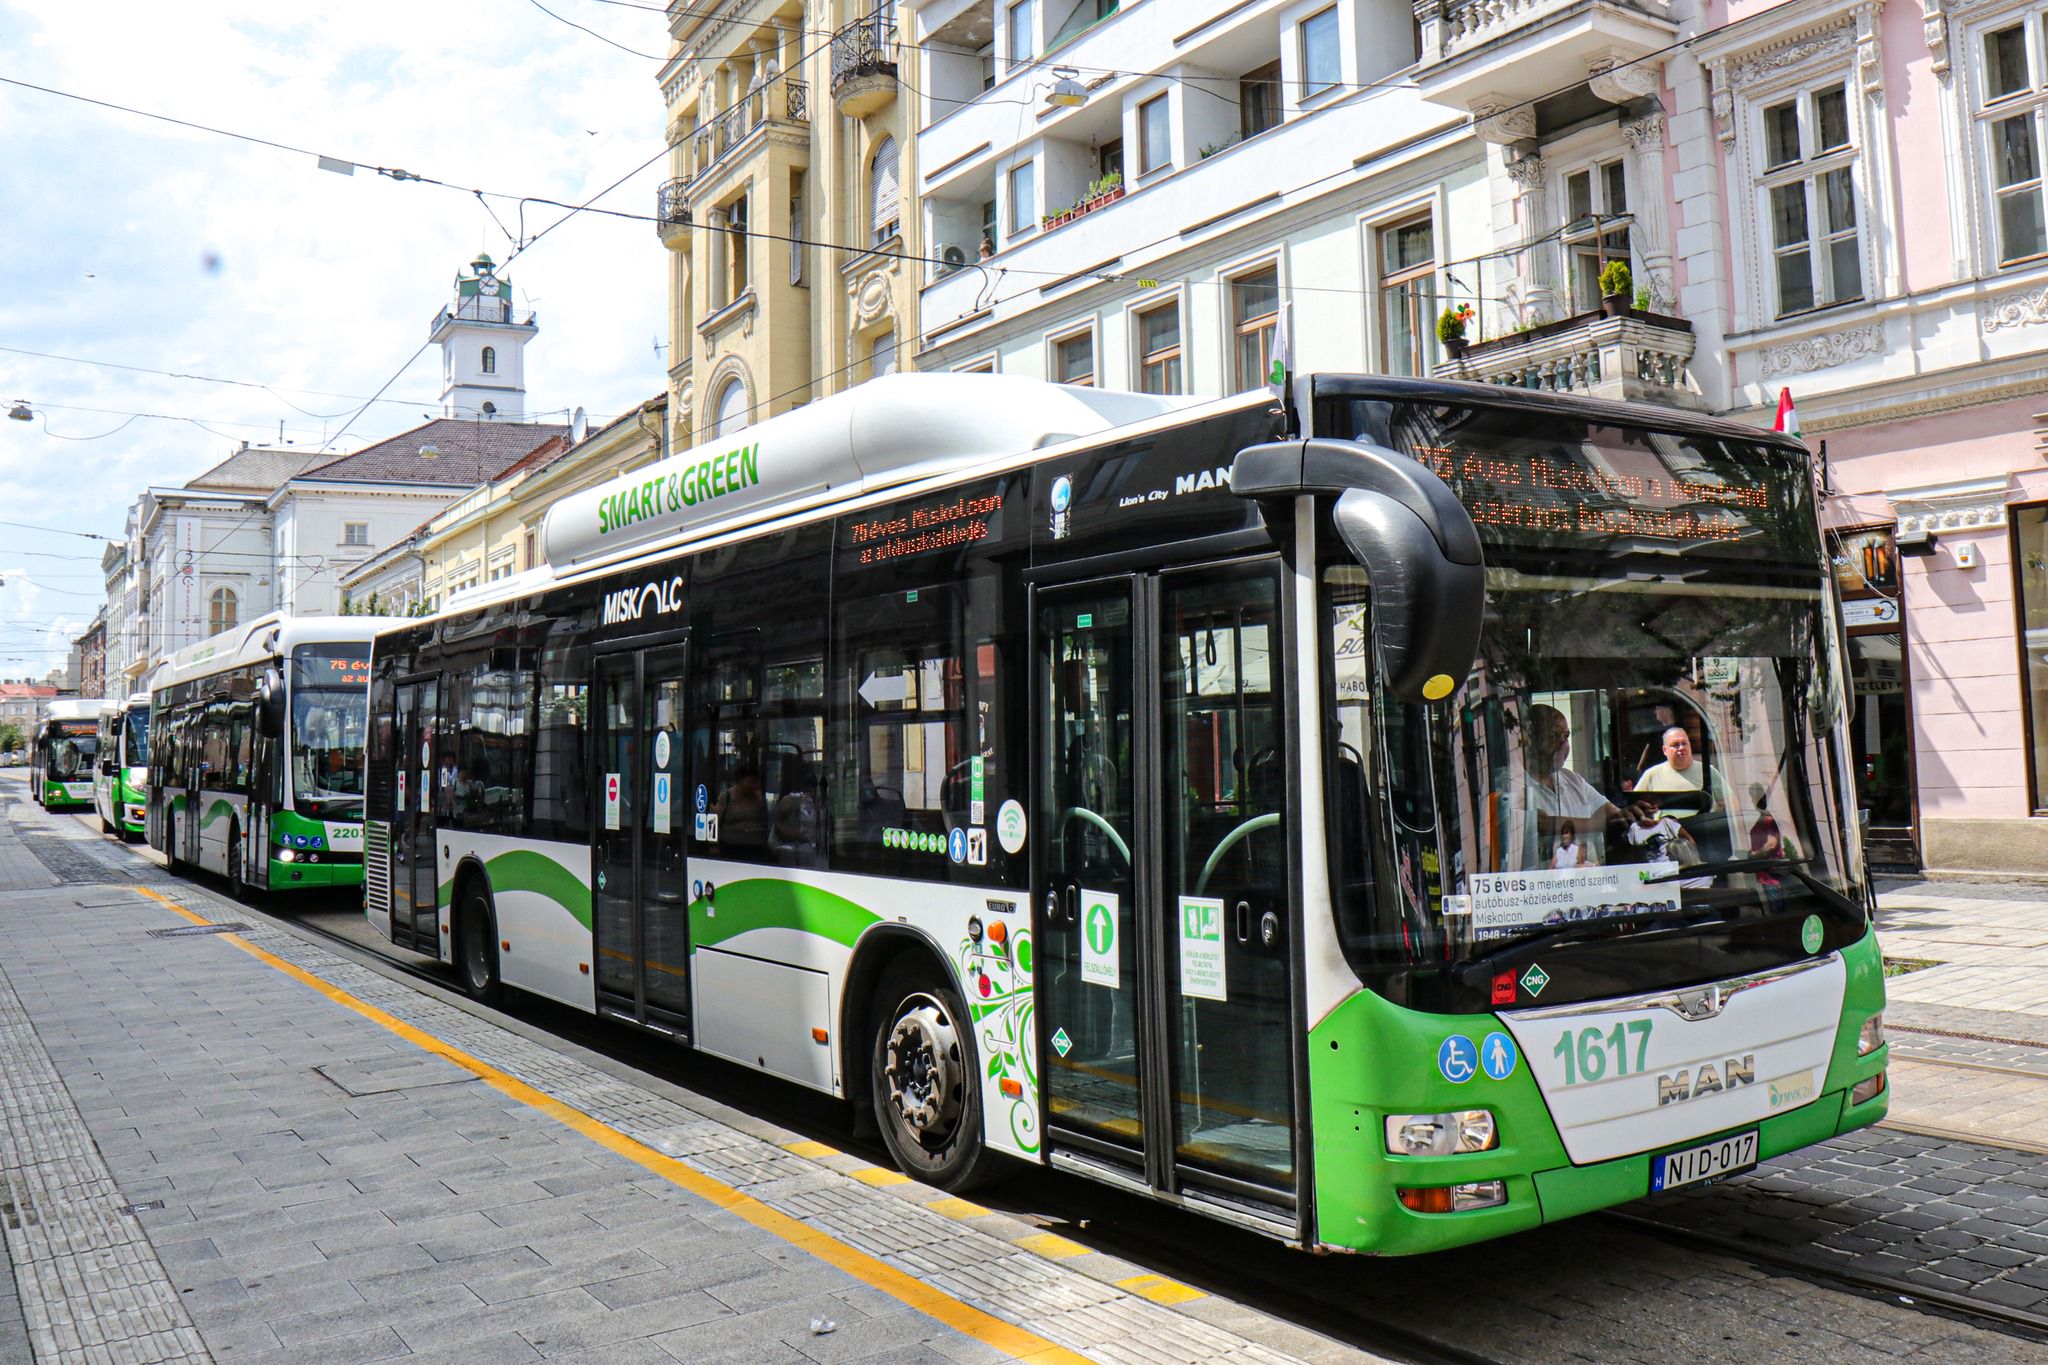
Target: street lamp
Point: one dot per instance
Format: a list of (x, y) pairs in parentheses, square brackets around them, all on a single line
[(1066, 92), (20, 412)]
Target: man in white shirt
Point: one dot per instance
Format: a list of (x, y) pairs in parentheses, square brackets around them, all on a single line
[(1554, 796), (1683, 771)]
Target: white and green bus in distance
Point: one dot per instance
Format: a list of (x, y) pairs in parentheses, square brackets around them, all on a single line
[(120, 786), (256, 752), (67, 742), (1387, 835)]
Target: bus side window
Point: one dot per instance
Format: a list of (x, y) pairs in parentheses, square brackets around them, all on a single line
[(560, 789)]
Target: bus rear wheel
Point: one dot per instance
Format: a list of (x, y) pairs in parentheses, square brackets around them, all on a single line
[(476, 956), (925, 1081)]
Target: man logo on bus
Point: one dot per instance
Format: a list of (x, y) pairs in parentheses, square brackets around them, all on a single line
[(1062, 505)]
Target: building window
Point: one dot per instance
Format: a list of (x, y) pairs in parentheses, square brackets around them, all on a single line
[(1073, 359), (2014, 116), (731, 413), (355, 533), (1809, 200), (490, 360), (883, 191), (988, 227), (736, 248), (1258, 100), (1021, 26), (1407, 264), (882, 355), (1596, 228), (2030, 581), (1254, 318), (1320, 66), (1155, 136), (530, 548), (1159, 350), (221, 611), (1023, 198)]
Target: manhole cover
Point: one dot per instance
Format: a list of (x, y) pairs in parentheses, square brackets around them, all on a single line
[(195, 930)]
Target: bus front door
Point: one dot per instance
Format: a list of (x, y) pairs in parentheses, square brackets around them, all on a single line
[(640, 895), (1163, 882), (416, 880)]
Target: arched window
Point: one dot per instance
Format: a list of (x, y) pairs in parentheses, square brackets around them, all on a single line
[(490, 360), (883, 191), (221, 611), (731, 410)]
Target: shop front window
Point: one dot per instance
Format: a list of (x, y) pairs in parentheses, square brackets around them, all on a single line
[(2030, 573)]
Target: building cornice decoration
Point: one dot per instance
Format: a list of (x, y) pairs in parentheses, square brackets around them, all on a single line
[(1791, 51), (1647, 131), (1967, 512), (1516, 123), (1618, 80), (871, 296), (1934, 27), (1823, 352), (1724, 111), (1869, 50), (2027, 308)]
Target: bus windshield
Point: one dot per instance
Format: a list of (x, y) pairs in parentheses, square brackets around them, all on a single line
[(330, 710), (70, 746), (135, 738), (1646, 740)]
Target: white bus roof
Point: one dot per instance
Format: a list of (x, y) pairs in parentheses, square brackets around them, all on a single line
[(73, 708), (270, 636)]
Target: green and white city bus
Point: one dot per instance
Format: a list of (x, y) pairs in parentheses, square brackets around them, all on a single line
[(256, 752), (1414, 819), (66, 743), (120, 786)]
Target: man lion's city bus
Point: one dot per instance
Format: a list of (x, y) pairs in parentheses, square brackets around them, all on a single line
[(120, 788), (256, 752), (67, 742), (1291, 827)]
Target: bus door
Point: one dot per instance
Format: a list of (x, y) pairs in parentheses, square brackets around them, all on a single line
[(640, 895), (415, 876), (1163, 882)]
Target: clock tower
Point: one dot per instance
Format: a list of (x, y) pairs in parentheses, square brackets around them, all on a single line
[(483, 371)]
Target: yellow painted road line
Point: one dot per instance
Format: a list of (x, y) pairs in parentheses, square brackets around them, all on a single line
[(1052, 1246), (905, 1289), (879, 1175), (810, 1149), (1159, 1289), (956, 1208)]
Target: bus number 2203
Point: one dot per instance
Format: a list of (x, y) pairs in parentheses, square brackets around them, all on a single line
[(1585, 1052)]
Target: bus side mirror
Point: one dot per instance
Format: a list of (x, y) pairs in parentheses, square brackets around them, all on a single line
[(1417, 542), (270, 705)]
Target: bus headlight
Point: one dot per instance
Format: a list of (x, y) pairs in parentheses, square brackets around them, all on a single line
[(1866, 1091), (286, 855), (1872, 1037), (1468, 1130)]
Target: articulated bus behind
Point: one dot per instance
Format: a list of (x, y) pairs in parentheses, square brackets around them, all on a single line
[(66, 742), (121, 782)]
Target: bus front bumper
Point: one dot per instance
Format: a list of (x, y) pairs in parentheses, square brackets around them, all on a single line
[(333, 869)]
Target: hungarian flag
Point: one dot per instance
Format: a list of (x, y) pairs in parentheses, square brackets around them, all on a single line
[(1788, 416)]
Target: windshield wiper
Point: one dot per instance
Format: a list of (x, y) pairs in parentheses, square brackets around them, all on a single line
[(1795, 867), (1577, 931)]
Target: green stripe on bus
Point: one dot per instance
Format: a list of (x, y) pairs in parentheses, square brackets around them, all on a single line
[(215, 811), (524, 870), (769, 903)]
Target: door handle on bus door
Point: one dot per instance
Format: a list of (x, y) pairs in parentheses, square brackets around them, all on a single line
[(1243, 918)]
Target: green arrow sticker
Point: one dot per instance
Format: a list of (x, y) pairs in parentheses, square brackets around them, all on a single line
[(1101, 963)]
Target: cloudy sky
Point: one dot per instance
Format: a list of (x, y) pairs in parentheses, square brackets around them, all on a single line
[(127, 241)]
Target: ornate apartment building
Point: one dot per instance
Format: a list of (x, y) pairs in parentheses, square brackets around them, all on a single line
[(785, 131)]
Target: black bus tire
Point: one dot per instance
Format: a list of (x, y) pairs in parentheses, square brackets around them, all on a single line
[(476, 944), (926, 1079)]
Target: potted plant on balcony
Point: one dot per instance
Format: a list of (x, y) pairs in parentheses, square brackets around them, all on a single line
[(1450, 329), (1107, 190), (1615, 289)]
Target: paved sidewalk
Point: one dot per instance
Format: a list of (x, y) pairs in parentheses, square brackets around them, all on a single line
[(381, 1173)]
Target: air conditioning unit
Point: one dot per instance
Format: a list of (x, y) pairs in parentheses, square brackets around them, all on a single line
[(951, 257)]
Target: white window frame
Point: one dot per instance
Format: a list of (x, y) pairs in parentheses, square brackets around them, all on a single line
[(348, 528), (985, 363), (1370, 224), (1607, 223), (1019, 214), (1979, 118), (1054, 340), (1809, 174), (1163, 102), (1337, 43), (1012, 58)]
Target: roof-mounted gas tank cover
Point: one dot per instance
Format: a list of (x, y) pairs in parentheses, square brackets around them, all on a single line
[(1415, 539)]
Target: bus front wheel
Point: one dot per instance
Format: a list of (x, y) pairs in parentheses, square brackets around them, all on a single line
[(925, 1081), (477, 940)]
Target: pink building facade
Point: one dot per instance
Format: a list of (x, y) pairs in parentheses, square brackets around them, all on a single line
[(1843, 198)]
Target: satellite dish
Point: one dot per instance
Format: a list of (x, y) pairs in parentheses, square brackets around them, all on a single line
[(579, 426)]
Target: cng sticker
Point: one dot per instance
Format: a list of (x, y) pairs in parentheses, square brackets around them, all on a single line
[(1061, 1043), (1201, 948), (1100, 960), (1535, 979), (1811, 935)]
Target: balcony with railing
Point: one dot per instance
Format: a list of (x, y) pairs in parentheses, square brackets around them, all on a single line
[(672, 216), (864, 64), (1636, 358), (780, 102), (1485, 55)]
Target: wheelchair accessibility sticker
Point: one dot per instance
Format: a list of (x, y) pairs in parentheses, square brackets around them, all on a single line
[(1457, 1059)]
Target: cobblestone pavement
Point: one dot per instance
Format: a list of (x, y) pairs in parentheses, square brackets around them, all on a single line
[(332, 1193)]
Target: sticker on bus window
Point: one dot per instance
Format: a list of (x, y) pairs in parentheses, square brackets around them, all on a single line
[(1100, 958), (977, 848), (661, 749), (611, 800), (401, 793), (661, 819), (1011, 827), (1201, 948)]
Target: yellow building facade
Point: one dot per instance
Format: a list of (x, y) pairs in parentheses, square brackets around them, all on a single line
[(788, 213)]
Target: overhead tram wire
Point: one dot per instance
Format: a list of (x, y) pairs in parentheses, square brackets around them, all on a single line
[(270, 389)]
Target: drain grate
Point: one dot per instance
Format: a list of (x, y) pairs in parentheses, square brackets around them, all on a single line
[(145, 1206), (195, 930)]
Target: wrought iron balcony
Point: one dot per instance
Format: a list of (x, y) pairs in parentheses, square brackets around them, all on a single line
[(864, 63), (1637, 358), (780, 100), (672, 208)]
